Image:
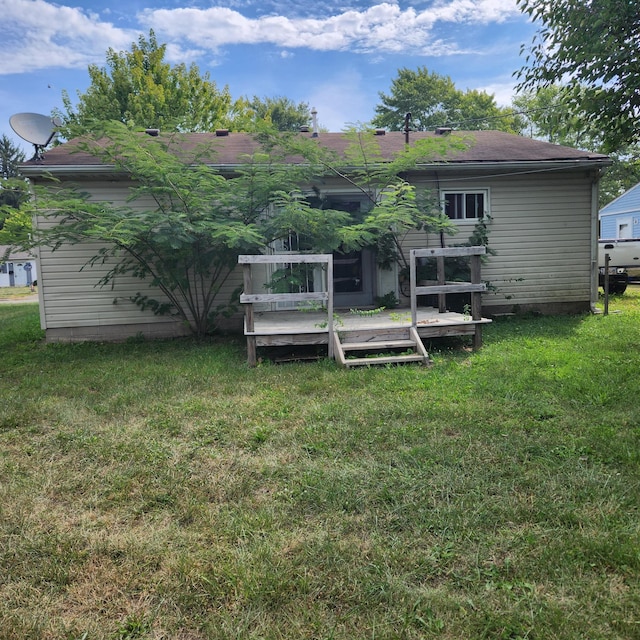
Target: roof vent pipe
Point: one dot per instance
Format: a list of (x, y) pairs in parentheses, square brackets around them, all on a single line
[(314, 120), (407, 128)]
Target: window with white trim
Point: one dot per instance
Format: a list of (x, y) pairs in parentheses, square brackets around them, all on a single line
[(465, 205)]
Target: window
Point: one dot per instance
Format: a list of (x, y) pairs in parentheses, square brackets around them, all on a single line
[(465, 205)]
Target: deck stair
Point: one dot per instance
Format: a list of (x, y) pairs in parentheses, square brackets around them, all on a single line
[(395, 345)]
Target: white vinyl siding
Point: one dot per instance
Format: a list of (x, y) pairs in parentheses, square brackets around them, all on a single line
[(540, 229), (539, 226), (71, 297)]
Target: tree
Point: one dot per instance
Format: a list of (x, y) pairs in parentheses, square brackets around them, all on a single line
[(547, 115), (15, 227), (141, 90), (14, 192), (623, 174), (434, 101), (591, 46), (11, 156), (187, 223), (280, 112)]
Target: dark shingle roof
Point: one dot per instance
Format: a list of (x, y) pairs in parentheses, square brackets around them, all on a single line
[(483, 147)]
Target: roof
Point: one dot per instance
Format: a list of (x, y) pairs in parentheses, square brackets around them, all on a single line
[(628, 202), (13, 255), (486, 147)]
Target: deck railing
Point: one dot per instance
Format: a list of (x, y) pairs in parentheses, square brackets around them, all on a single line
[(476, 287), (248, 298)]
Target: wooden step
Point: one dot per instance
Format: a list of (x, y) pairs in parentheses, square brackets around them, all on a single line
[(360, 362), (386, 339), (378, 344), (369, 335)]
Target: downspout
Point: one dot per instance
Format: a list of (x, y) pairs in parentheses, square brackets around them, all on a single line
[(36, 252), (595, 192), (442, 245)]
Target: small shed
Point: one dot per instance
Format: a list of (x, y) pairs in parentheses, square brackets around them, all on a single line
[(17, 269)]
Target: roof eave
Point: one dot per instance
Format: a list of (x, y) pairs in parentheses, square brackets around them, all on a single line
[(523, 165), (40, 170)]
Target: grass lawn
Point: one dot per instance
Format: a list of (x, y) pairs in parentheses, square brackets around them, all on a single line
[(16, 293), (166, 490)]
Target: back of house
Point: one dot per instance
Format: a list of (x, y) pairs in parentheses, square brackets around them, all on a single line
[(535, 202)]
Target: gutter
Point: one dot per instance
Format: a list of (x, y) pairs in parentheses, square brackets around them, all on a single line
[(42, 170), (527, 166), (533, 166), (595, 192)]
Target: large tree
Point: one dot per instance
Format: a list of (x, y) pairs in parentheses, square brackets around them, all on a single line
[(591, 46), (548, 115), (434, 101), (140, 89)]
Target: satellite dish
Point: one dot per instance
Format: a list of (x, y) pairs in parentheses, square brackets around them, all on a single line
[(35, 128)]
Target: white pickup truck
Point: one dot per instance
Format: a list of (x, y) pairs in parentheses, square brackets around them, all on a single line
[(624, 259)]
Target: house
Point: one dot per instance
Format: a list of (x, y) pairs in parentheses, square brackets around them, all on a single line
[(539, 202), (17, 269), (620, 219), (620, 236)]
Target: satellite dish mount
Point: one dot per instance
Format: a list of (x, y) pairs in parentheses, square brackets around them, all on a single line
[(37, 129)]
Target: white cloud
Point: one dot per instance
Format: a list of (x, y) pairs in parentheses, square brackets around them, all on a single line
[(475, 11), (39, 34), (383, 27)]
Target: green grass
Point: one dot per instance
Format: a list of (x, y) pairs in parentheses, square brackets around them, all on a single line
[(15, 293), (166, 490)]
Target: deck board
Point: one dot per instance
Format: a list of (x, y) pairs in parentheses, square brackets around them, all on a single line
[(269, 325)]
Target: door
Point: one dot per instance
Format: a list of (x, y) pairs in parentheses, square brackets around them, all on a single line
[(353, 271), (353, 278), (20, 275)]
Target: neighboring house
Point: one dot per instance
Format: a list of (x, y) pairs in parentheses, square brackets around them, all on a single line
[(540, 201), (620, 219), (17, 269), (620, 235)]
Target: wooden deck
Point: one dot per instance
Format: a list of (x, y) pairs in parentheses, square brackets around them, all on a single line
[(357, 337), (379, 337), (282, 328)]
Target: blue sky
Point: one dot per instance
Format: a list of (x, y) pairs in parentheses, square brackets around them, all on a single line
[(335, 55)]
